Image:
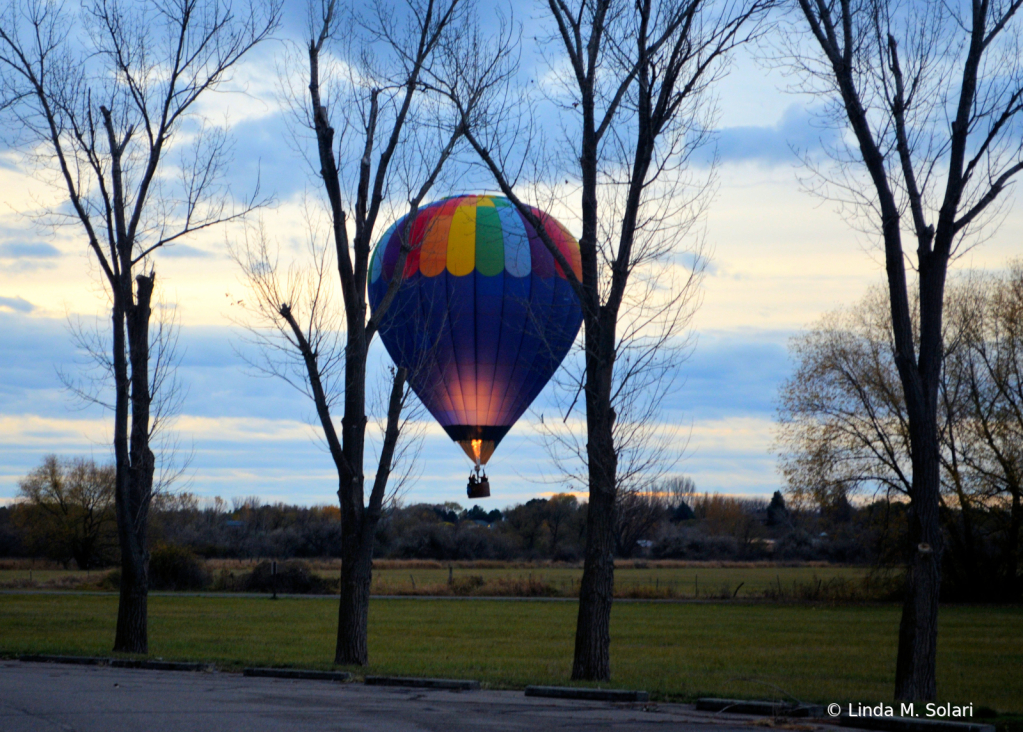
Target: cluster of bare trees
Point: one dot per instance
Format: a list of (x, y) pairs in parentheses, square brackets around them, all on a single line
[(845, 428)]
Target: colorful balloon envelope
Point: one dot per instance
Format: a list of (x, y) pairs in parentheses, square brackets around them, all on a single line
[(484, 314)]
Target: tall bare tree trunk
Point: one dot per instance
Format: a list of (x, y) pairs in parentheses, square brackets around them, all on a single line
[(353, 611), (592, 659), (356, 557), (656, 55), (918, 629), (135, 475)]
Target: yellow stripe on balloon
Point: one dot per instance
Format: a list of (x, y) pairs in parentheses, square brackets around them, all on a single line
[(462, 240)]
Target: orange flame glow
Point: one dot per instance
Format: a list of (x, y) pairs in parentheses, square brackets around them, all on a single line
[(477, 445)]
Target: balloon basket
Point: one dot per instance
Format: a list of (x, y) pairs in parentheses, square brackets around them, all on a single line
[(479, 485)]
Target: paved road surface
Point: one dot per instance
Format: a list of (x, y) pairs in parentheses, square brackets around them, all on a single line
[(40, 697)]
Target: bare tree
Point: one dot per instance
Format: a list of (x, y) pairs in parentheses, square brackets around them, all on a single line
[(633, 93), (842, 417), (371, 73), (932, 94), (991, 369), (844, 424), (678, 490), (99, 97), (636, 515), (91, 382), (653, 342), (73, 502)]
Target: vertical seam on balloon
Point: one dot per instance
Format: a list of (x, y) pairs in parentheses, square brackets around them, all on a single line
[(458, 366), (541, 352), (475, 341), (502, 400), (436, 212), (528, 376), (542, 336), (483, 416), (436, 346), (458, 399), (497, 352), (518, 347), (527, 305), (449, 281)]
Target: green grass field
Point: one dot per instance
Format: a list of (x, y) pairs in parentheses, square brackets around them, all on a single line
[(819, 653)]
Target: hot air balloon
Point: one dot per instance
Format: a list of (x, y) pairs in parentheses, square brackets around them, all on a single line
[(483, 317)]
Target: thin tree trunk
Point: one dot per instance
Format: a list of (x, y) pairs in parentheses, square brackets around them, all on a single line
[(359, 527), (592, 660), (356, 559), (918, 630), (353, 612)]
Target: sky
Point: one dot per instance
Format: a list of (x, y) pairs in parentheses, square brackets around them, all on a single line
[(779, 258)]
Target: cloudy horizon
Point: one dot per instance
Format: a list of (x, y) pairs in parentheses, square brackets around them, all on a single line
[(779, 258)]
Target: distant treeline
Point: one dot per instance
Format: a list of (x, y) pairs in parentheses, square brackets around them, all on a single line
[(66, 514)]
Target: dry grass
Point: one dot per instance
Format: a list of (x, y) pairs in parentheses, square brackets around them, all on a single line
[(636, 579)]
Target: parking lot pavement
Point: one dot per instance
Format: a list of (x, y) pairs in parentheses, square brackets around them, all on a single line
[(39, 697)]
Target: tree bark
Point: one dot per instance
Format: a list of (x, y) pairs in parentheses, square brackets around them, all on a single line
[(592, 659), (918, 630), (353, 611), (135, 475)]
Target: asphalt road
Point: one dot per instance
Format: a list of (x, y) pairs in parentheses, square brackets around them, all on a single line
[(40, 697)]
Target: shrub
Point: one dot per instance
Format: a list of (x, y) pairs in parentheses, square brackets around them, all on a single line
[(293, 578), (695, 546), (796, 544), (465, 585), (174, 567), (112, 581)]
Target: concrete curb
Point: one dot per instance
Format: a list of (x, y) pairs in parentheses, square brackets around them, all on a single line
[(576, 692), (912, 724), (80, 660), (116, 662), (297, 673), (156, 665), (419, 683), (763, 708)]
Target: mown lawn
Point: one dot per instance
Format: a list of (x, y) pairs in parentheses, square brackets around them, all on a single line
[(818, 653)]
